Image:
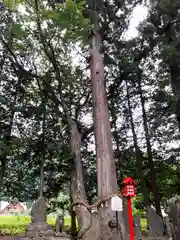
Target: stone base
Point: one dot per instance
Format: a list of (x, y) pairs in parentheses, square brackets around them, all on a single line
[(42, 231), (63, 234), (39, 231), (65, 237), (41, 226)]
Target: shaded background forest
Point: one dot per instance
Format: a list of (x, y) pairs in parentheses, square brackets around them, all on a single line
[(44, 67)]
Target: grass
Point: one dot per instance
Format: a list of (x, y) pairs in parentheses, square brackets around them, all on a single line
[(12, 225), (144, 225)]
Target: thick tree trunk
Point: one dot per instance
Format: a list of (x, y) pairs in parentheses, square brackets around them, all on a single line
[(104, 150), (77, 184), (139, 157), (155, 190), (106, 172)]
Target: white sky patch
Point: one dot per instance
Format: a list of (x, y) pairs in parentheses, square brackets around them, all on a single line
[(138, 15)]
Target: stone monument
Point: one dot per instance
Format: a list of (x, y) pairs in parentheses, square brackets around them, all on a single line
[(137, 226), (38, 228), (155, 223)]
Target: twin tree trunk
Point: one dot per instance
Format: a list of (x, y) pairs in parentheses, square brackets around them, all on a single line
[(98, 227)]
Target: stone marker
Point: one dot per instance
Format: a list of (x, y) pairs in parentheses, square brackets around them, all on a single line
[(155, 223), (137, 226), (125, 215), (38, 229), (38, 211)]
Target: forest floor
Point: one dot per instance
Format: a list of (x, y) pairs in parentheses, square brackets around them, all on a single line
[(17, 237), (59, 238), (9, 237)]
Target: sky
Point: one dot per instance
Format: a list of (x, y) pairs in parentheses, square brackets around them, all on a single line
[(139, 14)]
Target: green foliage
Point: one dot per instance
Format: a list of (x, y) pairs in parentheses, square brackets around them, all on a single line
[(138, 206), (69, 18), (171, 53), (144, 226), (17, 31), (60, 204), (12, 4)]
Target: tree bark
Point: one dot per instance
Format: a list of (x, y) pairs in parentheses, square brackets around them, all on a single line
[(106, 172), (155, 190), (77, 184)]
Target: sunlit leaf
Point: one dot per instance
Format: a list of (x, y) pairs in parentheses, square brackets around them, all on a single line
[(12, 4)]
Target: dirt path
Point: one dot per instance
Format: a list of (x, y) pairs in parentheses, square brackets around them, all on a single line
[(10, 237)]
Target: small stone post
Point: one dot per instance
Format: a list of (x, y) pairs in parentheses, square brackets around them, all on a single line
[(59, 225)]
